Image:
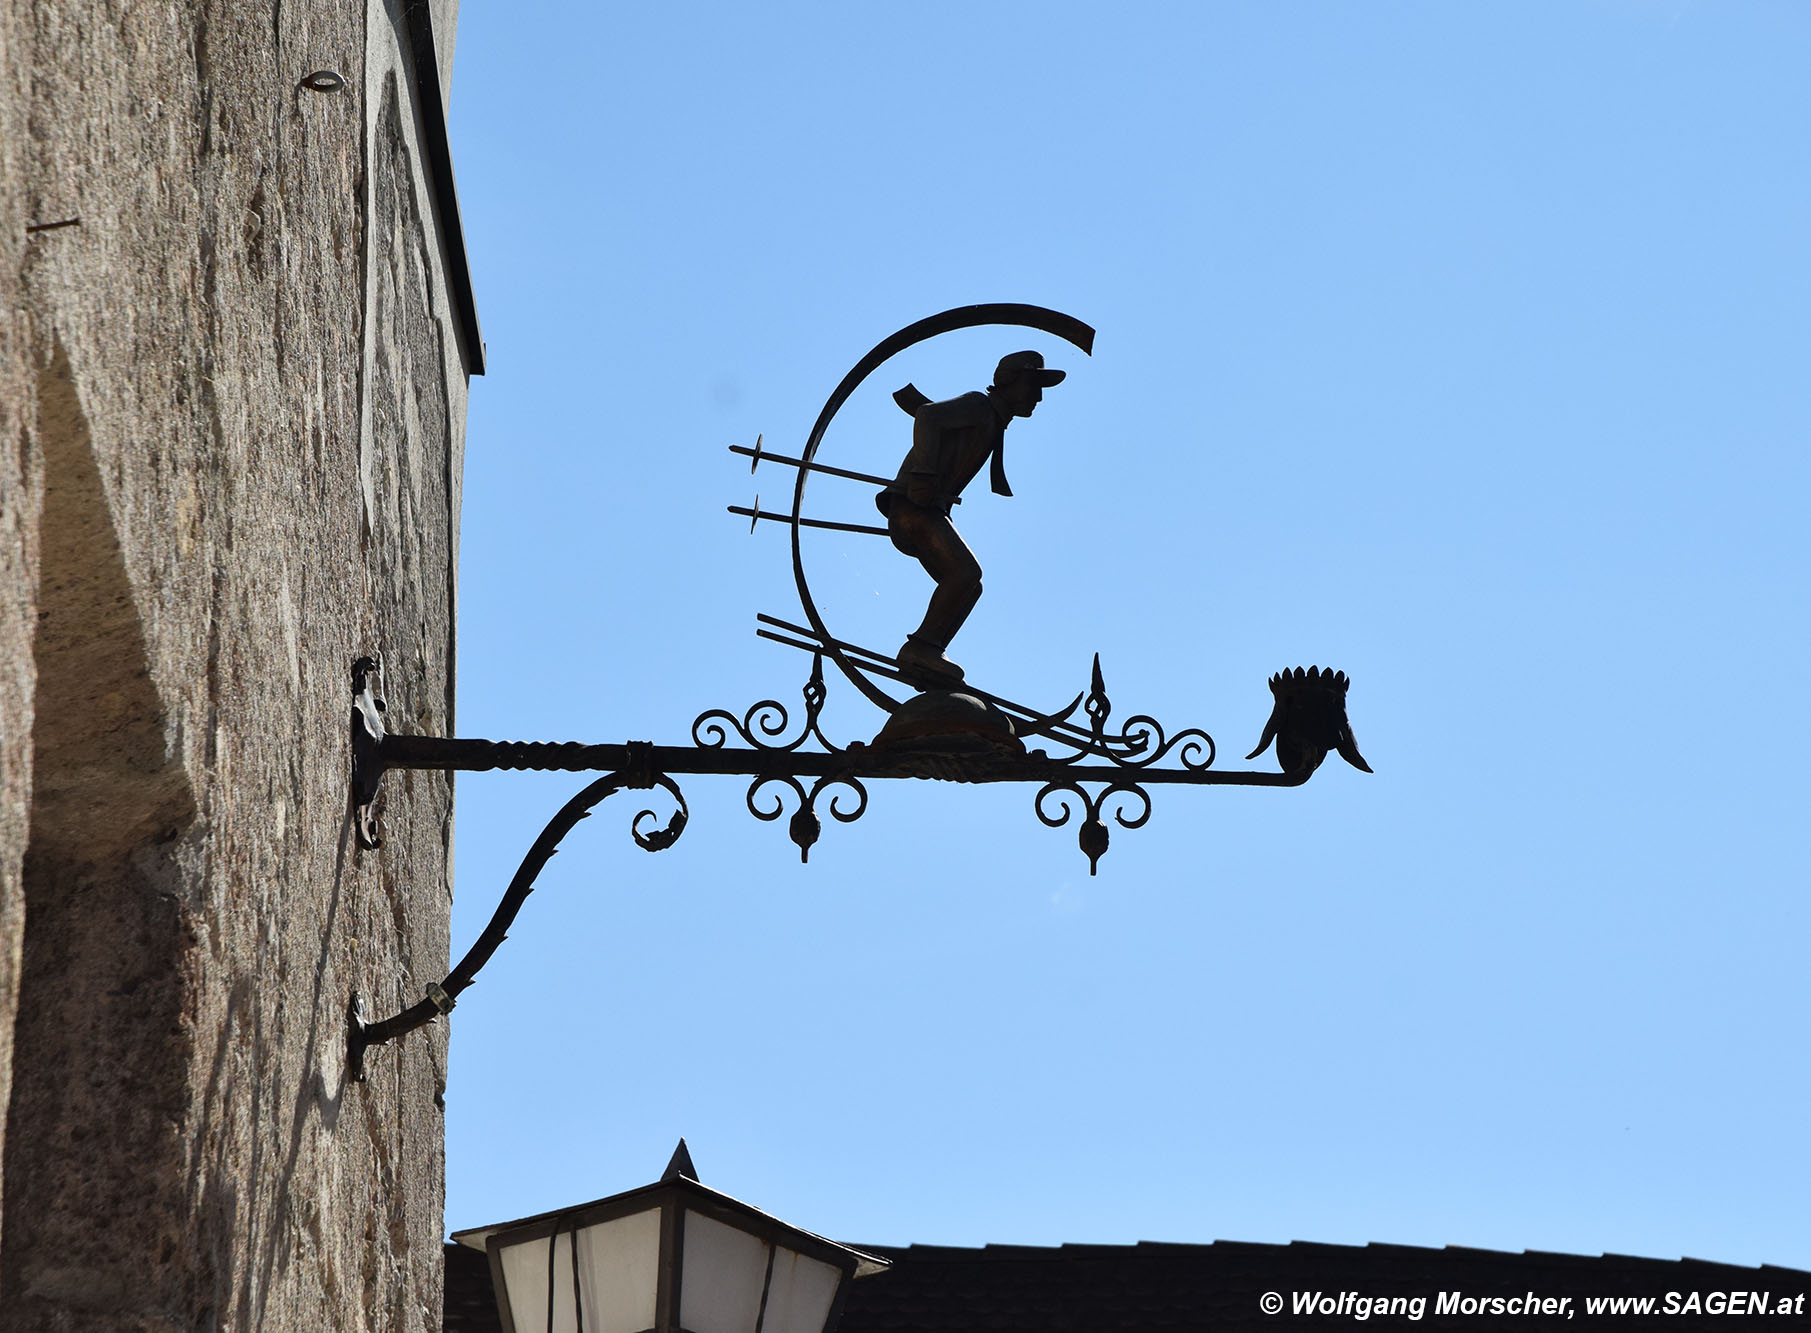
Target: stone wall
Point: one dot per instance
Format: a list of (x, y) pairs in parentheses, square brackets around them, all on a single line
[(231, 414), (20, 499)]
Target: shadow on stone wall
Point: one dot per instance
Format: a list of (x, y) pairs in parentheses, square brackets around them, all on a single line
[(101, 1044)]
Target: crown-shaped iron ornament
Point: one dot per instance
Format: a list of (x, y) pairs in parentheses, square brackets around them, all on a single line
[(1309, 719), (944, 728)]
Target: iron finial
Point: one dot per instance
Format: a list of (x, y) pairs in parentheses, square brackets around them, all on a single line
[(680, 1168)]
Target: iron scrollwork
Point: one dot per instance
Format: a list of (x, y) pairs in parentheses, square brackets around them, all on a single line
[(765, 720), (1092, 836), (1141, 742), (805, 827), (760, 728)]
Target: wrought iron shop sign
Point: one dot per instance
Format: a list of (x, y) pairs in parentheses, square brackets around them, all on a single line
[(939, 726)]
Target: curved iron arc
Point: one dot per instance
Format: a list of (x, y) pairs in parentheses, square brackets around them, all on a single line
[(442, 995), (1053, 322)]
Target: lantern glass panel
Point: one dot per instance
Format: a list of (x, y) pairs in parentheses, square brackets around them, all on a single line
[(619, 1271), (800, 1296), (723, 1271)]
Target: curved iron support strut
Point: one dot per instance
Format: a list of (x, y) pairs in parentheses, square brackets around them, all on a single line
[(441, 996)]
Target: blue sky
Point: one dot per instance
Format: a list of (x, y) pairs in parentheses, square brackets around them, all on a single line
[(1461, 347)]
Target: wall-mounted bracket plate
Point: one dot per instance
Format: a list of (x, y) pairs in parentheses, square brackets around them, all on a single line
[(368, 765)]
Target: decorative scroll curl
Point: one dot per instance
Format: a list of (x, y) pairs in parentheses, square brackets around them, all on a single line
[(1146, 744), (1140, 743), (779, 805), (661, 838), (765, 721), (1092, 835)]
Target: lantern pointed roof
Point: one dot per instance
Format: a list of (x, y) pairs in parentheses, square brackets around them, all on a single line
[(680, 1168)]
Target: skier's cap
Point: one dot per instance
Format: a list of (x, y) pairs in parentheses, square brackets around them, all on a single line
[(1029, 365)]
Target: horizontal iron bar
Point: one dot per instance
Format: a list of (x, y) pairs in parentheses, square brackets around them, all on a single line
[(868, 528), (860, 761)]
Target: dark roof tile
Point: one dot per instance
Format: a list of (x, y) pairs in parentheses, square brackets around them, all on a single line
[(1155, 1287)]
